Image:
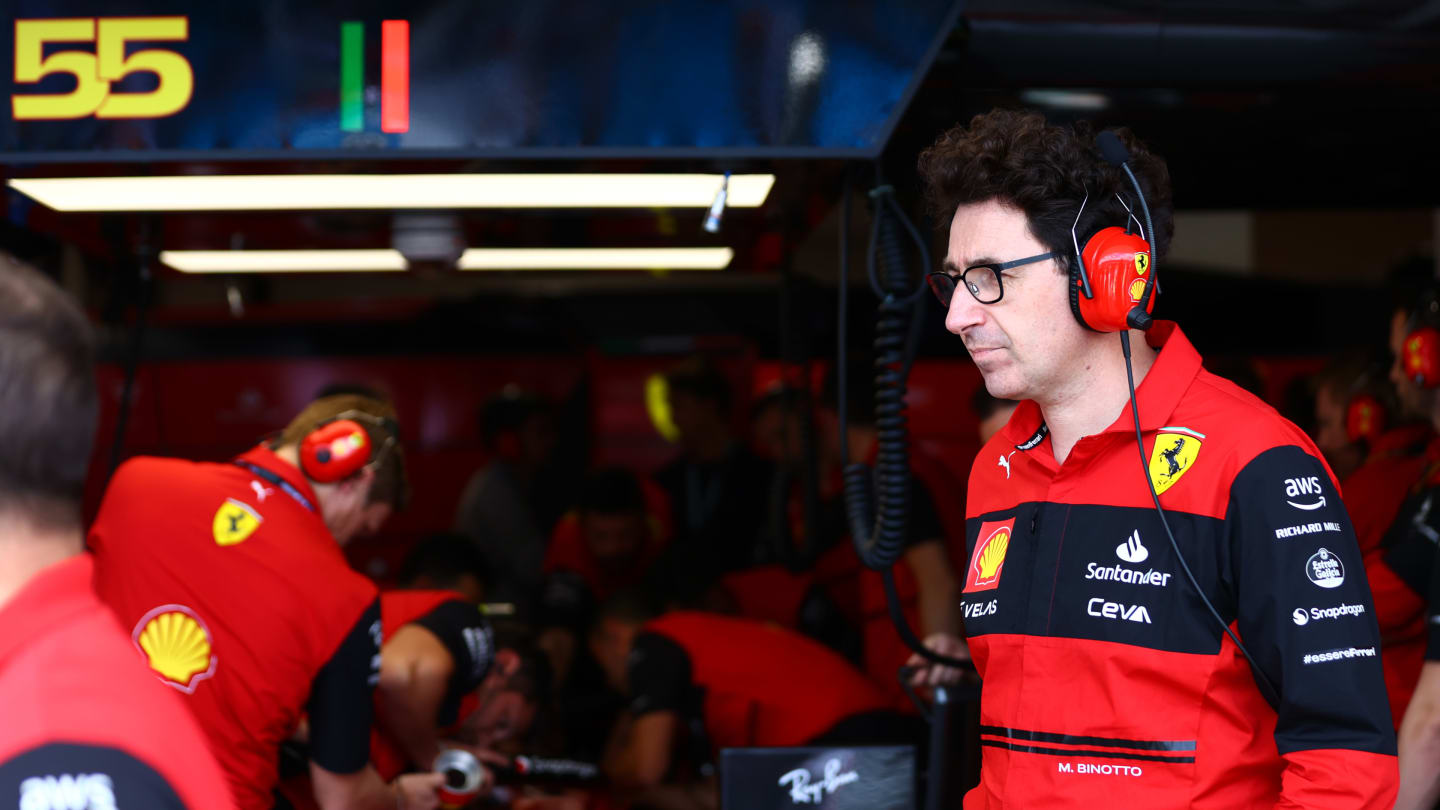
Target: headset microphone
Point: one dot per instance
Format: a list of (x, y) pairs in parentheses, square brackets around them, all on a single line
[(1117, 155)]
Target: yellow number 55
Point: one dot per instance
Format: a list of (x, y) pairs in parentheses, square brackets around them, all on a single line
[(95, 72)]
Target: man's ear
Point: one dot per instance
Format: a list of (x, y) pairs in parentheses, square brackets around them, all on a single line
[(360, 480)]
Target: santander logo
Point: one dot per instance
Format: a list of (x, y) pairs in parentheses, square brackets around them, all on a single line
[(1132, 550)]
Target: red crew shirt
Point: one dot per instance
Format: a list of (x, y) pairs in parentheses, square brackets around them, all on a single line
[(761, 685), (1373, 497), (82, 716), (239, 592), (1106, 677)]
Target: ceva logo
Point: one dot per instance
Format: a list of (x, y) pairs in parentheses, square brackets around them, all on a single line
[(1115, 610)]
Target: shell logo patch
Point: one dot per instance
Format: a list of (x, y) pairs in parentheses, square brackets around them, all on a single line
[(177, 645), (1142, 263), (234, 522), (1137, 289), (1172, 456), (988, 560)]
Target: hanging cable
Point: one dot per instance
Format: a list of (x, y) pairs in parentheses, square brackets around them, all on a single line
[(879, 526)]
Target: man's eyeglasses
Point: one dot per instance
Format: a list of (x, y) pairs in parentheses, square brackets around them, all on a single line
[(982, 280)]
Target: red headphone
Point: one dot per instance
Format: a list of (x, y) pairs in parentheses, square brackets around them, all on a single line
[(1420, 352), (1111, 283), (339, 447), (1365, 417)]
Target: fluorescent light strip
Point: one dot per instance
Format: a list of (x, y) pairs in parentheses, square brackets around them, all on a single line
[(285, 261), (690, 258), (391, 191)]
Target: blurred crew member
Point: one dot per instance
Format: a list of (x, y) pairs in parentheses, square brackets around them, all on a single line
[(718, 488), (1353, 410), (442, 675), (718, 682), (505, 509), (234, 573), (82, 721), (1080, 616), (1408, 556)]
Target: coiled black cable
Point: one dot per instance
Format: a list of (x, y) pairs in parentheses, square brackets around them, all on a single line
[(879, 528)]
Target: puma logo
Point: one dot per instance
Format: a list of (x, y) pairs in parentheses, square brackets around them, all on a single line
[(1005, 462), (261, 492)]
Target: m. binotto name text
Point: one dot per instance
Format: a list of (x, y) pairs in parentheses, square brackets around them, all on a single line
[(1102, 770)]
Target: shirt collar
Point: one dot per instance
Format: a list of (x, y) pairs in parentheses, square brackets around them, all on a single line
[(263, 457), (1158, 394), (47, 601)]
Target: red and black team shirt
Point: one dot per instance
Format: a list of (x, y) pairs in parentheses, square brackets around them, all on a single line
[(84, 724), (235, 592), (1105, 675), (1384, 498), (751, 684), (469, 640)]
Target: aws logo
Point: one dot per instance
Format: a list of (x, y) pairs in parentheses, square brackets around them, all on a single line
[(988, 560), (177, 645), (69, 791), (1301, 488)]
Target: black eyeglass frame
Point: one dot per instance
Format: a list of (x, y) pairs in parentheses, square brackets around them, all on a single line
[(948, 282)]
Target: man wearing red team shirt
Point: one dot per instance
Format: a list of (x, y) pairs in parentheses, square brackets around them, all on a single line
[(84, 723), (231, 579)]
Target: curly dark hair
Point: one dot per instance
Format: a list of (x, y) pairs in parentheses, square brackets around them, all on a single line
[(1044, 170)]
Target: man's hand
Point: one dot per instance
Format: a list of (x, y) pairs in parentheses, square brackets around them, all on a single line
[(932, 674), (416, 791)]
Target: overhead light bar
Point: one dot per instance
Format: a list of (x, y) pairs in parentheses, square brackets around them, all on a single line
[(291, 192), (285, 261), (689, 258)]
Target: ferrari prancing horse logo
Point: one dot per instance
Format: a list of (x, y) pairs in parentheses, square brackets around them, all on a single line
[(1172, 457), (235, 522)]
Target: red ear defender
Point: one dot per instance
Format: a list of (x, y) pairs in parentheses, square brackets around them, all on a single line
[(1118, 265), (335, 451), (1420, 354), (1364, 418)]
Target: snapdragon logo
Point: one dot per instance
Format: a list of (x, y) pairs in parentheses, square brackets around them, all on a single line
[(1303, 617)]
